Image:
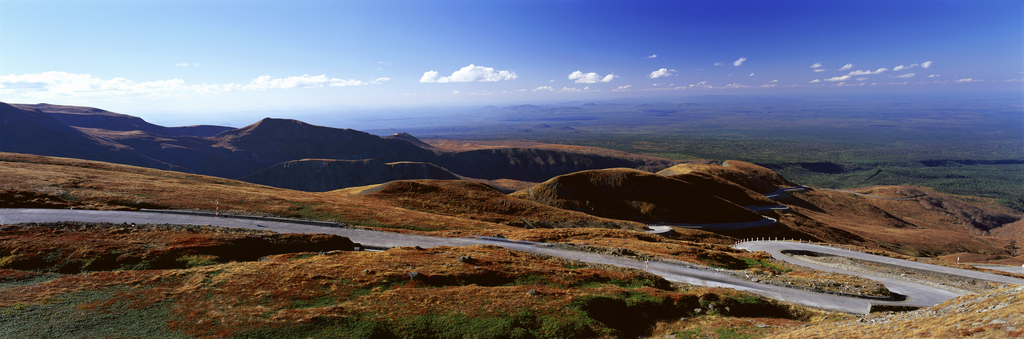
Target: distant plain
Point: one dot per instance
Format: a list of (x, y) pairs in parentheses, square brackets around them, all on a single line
[(966, 144)]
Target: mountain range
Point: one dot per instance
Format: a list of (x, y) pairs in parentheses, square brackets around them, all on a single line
[(279, 152)]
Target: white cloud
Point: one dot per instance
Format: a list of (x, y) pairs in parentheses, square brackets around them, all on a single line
[(815, 81), (541, 88), (751, 74), (842, 78), (702, 84), (718, 64), (469, 73), (589, 78), (664, 72), (934, 76), (908, 75), (899, 68), (819, 70), (622, 88), (454, 92), (846, 67), (739, 61), (926, 64), (861, 79), (430, 76), (379, 80), (61, 84), (730, 74), (266, 82), (859, 72), (652, 56), (968, 80), (816, 65), (776, 80), (181, 64), (567, 89)]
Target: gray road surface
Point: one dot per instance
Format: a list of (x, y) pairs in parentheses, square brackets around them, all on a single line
[(917, 295)]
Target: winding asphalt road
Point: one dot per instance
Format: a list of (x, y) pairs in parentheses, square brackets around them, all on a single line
[(918, 295)]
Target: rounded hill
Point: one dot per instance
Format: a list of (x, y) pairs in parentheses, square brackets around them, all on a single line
[(473, 200), (628, 194)]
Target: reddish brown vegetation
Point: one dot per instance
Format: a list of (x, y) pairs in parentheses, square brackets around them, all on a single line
[(75, 247)]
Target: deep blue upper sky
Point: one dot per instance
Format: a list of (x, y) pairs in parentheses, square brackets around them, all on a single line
[(219, 56)]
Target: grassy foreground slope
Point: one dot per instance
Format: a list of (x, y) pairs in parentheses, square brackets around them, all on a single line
[(479, 291)]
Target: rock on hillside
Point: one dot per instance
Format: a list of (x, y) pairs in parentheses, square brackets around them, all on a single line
[(628, 194), (467, 199), (321, 175)]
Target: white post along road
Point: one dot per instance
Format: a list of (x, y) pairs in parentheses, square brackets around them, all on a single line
[(918, 295)]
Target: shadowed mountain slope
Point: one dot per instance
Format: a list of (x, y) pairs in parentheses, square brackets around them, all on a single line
[(89, 117), (321, 175), (96, 134), (628, 194), (272, 141), (24, 130), (534, 164), (411, 139), (466, 199)]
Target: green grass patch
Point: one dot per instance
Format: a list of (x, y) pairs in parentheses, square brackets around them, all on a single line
[(751, 263), (694, 333), (64, 317), (523, 324), (197, 260)]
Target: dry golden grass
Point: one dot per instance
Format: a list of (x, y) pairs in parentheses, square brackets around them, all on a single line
[(96, 185), (905, 226)]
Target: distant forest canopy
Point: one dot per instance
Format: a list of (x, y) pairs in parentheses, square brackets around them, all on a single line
[(969, 144)]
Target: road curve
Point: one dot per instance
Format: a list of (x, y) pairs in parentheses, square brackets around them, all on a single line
[(707, 277), (917, 294)]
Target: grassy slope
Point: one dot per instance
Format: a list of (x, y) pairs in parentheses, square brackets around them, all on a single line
[(480, 291)]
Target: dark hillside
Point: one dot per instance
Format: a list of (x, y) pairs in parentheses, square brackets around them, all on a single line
[(89, 117), (532, 164), (628, 194), (24, 130), (321, 175)]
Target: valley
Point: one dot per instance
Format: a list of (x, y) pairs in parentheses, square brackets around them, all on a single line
[(559, 215)]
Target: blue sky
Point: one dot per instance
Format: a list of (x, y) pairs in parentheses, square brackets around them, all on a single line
[(160, 59)]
